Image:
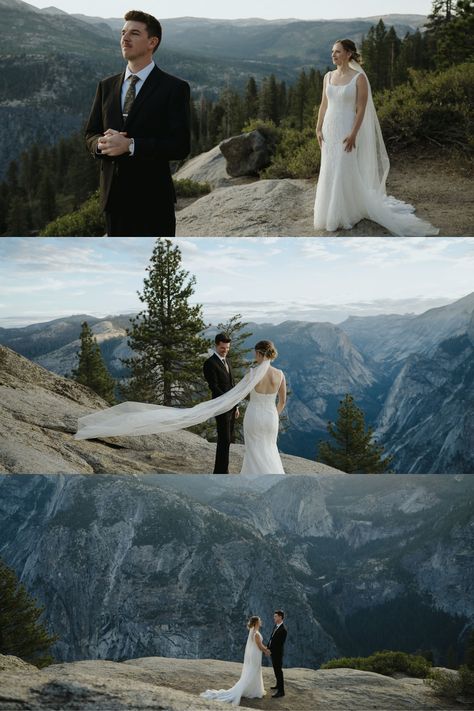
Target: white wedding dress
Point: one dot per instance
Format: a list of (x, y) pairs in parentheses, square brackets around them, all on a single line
[(261, 423), (351, 185), (250, 684)]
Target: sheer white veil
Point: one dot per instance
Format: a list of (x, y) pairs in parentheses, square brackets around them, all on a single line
[(373, 160), (138, 418)]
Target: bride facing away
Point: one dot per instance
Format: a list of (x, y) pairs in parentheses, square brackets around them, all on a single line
[(261, 419), (266, 386), (354, 160), (250, 684)]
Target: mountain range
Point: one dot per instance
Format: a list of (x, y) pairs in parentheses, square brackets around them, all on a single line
[(412, 375), (51, 61), (136, 566)]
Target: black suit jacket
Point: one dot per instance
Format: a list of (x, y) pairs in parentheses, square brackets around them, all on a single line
[(277, 641), (219, 380), (159, 121)]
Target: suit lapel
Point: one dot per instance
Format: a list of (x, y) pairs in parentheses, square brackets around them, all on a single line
[(149, 86), (117, 101)]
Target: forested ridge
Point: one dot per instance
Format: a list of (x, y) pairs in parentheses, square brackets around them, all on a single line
[(423, 88)]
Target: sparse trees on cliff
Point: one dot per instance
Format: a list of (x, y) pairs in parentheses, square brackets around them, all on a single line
[(166, 336), (351, 448), (21, 632), (91, 369)]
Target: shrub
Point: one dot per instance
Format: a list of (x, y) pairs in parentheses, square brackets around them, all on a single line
[(87, 221), (386, 662), (452, 684), (191, 188), (433, 107)]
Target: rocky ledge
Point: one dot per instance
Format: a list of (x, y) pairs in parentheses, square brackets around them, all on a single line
[(38, 418), (175, 684)]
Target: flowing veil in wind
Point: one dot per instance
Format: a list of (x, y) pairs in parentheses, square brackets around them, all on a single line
[(138, 418), (250, 683)]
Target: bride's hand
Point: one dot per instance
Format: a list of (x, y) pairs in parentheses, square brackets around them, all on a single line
[(319, 136), (350, 142)]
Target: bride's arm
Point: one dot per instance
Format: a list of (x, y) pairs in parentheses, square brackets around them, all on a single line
[(322, 112), (281, 395), (259, 643), (362, 96)]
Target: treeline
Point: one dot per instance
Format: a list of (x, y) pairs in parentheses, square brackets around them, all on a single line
[(415, 101)]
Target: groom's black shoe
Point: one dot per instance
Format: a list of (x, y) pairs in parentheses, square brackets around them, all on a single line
[(278, 694)]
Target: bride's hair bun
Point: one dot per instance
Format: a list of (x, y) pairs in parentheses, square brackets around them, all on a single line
[(253, 621), (350, 46), (267, 349)]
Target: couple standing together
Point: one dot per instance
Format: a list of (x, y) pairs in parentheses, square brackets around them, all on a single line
[(250, 684), (261, 420), (265, 384), (140, 121)]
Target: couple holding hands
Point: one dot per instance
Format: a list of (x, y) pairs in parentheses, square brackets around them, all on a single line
[(250, 684)]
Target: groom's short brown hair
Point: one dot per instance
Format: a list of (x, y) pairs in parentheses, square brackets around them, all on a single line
[(153, 26), (222, 338), (281, 613)]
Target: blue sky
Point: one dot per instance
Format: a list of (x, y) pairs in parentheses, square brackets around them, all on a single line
[(267, 9), (274, 279)]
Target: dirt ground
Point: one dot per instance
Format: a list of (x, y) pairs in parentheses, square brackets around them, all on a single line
[(440, 187)]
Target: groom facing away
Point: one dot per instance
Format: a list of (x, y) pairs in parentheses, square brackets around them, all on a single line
[(139, 121), (218, 374)]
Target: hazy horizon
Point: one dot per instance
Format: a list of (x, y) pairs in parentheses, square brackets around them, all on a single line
[(265, 279), (245, 9)]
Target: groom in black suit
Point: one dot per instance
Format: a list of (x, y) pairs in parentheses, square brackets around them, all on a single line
[(218, 374), (140, 120), (276, 645)]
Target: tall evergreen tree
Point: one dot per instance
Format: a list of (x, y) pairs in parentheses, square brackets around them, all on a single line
[(351, 448), (166, 336), (21, 632), (469, 653), (251, 100), (91, 370)]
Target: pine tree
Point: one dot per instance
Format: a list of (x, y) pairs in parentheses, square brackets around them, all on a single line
[(21, 633), (352, 450), (91, 370), (469, 653), (166, 336), (251, 100)]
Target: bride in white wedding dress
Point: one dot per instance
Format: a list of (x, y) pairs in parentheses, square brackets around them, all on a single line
[(260, 421), (354, 160), (250, 684)]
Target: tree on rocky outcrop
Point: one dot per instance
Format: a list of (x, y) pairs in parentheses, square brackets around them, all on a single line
[(166, 336), (91, 369), (351, 448), (21, 632)]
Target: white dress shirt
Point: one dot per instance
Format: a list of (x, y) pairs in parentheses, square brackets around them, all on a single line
[(142, 75)]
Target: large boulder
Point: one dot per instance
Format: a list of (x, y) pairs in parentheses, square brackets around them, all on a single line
[(248, 153), (209, 167)]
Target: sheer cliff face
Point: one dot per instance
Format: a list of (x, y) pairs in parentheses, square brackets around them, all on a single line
[(427, 422), (171, 566)]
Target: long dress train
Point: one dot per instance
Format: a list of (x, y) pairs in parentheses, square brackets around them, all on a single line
[(250, 684), (351, 185)]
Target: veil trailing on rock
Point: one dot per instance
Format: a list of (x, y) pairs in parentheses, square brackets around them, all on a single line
[(374, 165), (138, 418), (250, 683)]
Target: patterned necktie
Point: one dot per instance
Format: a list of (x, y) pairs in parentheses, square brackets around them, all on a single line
[(130, 95), (225, 364)]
